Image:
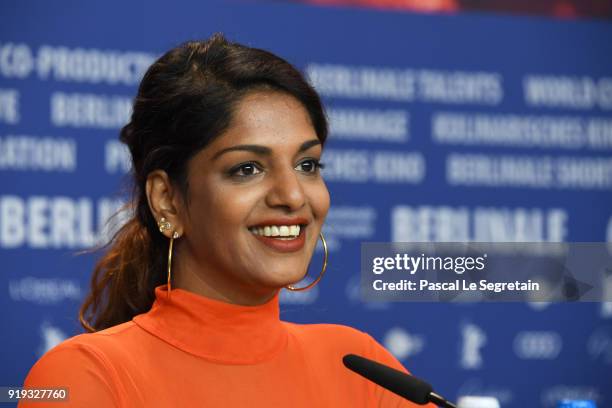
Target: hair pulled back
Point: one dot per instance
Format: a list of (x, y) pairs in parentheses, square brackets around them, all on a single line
[(185, 100)]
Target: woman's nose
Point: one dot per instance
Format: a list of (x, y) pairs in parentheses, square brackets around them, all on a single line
[(286, 190)]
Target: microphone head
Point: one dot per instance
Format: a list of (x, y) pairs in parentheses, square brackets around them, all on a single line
[(404, 385)]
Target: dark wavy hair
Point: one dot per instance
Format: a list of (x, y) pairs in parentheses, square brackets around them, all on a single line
[(185, 100)]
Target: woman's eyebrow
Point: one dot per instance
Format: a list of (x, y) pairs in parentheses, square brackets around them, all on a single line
[(263, 150), (308, 144), (257, 149)]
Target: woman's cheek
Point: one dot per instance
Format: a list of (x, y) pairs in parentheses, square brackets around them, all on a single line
[(322, 202)]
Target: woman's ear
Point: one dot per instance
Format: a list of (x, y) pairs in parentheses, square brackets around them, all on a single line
[(164, 202)]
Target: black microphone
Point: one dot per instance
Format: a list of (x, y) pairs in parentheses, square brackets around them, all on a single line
[(402, 384)]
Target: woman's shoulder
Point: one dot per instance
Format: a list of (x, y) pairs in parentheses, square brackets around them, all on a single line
[(326, 329), (91, 347), (341, 339), (104, 340), (86, 351), (343, 336), (84, 362)]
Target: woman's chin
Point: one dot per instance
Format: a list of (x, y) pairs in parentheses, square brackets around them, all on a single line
[(282, 280)]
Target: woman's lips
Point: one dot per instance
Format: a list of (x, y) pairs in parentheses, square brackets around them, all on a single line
[(284, 245)]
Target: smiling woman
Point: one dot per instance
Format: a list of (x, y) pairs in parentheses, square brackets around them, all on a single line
[(255, 206), (229, 203)]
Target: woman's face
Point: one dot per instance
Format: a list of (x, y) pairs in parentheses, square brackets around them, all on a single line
[(259, 178)]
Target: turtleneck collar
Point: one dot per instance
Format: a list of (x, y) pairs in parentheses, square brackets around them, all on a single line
[(214, 330)]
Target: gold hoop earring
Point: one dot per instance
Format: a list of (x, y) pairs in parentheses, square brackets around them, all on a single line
[(164, 226), (309, 286), (175, 235)]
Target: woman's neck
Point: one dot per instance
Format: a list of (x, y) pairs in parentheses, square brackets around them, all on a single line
[(213, 285)]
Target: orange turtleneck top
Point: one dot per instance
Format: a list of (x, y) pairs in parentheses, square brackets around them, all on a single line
[(192, 351)]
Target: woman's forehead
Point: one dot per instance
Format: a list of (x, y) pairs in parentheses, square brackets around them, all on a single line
[(271, 119)]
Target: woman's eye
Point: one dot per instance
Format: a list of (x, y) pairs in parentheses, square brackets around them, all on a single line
[(245, 170), (310, 165)]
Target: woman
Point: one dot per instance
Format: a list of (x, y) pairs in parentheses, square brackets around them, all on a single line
[(229, 204)]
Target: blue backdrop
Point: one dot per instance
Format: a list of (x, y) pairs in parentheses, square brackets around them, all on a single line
[(444, 128)]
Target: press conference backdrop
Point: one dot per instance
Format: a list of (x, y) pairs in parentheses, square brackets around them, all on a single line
[(443, 128)]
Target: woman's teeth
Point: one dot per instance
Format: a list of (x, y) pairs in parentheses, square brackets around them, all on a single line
[(277, 231)]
